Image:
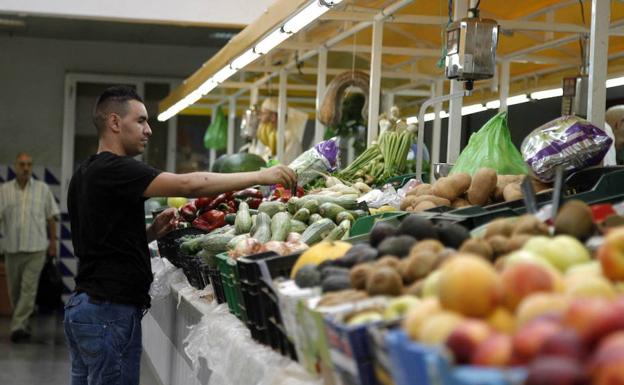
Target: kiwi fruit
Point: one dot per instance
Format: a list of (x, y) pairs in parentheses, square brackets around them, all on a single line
[(529, 224), (575, 218), (418, 265), (384, 281), (388, 260), (478, 246), (452, 234), (418, 227), (415, 288), (499, 244), (432, 245), (517, 241), (500, 226), (358, 275), (399, 246), (381, 231)]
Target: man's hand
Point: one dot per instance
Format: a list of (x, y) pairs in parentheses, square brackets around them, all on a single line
[(277, 174), (162, 224), (52, 249)]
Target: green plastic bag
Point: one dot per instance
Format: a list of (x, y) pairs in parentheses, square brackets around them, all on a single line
[(491, 147), (216, 135)]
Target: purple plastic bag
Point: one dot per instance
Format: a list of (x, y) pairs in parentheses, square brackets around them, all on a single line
[(330, 150), (322, 158), (568, 141)]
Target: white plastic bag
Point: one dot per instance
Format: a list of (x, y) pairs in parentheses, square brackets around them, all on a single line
[(164, 275)]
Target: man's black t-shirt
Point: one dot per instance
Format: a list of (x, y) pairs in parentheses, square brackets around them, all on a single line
[(105, 204)]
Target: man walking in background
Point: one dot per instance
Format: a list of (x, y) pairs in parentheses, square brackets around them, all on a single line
[(27, 210)]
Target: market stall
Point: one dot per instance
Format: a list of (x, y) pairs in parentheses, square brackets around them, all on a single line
[(375, 272)]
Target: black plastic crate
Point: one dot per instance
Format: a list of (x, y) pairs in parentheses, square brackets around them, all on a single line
[(217, 285), (169, 244)]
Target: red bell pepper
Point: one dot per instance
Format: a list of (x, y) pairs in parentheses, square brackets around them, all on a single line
[(210, 220), (227, 207), (221, 198), (283, 194), (253, 203), (248, 193), (189, 212), (203, 202)]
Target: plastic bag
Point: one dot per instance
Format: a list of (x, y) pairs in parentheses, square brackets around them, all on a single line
[(569, 141), (491, 147), (386, 197), (164, 275), (216, 135), (321, 158)]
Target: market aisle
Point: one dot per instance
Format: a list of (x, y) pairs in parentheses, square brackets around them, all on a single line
[(45, 359)]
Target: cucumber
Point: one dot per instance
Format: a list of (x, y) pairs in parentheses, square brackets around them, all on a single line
[(230, 218), (344, 215), (280, 226), (271, 208), (263, 228), (358, 213), (314, 218), (339, 231), (231, 245), (330, 210), (317, 231), (243, 223), (297, 226), (312, 205), (291, 206), (348, 202), (216, 243), (253, 224), (302, 215)]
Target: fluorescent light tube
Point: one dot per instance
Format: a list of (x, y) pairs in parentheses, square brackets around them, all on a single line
[(244, 59), (492, 104), (615, 82), (304, 17), (517, 99), (272, 40), (539, 95), (474, 108), (223, 74)]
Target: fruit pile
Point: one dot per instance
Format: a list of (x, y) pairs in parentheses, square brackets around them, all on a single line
[(461, 190)]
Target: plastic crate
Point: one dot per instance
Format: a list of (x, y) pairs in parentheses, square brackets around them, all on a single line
[(169, 244), (364, 225), (380, 354), (414, 363), (217, 284), (231, 286)]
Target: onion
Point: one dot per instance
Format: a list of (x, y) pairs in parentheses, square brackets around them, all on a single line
[(277, 247), (245, 247), (293, 237)]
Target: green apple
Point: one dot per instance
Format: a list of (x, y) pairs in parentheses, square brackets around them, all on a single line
[(398, 306), (431, 285), (176, 202), (365, 317), (522, 256), (536, 244), (564, 251), (592, 268)]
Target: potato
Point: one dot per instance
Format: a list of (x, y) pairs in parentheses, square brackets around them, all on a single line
[(478, 246), (459, 203), (501, 182), (421, 189), (462, 181), (501, 226), (512, 192), (529, 224), (452, 187), (540, 186), (482, 186), (422, 206), (414, 201)]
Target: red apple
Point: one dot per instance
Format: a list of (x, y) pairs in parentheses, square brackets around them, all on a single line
[(529, 338), (465, 338), (589, 316), (564, 343), (524, 278), (607, 364), (611, 255), (496, 350), (552, 370)]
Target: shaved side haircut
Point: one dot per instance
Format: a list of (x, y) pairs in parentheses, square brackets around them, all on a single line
[(113, 100)]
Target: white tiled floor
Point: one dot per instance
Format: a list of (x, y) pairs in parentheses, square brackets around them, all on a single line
[(45, 359)]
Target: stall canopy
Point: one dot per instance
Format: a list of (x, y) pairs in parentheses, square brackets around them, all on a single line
[(401, 44)]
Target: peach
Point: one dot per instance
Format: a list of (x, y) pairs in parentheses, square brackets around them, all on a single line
[(465, 338), (579, 286), (469, 285), (529, 338), (502, 320), (587, 316), (496, 350), (415, 316), (436, 329), (541, 304), (611, 255), (564, 343), (556, 371), (524, 278), (607, 365)]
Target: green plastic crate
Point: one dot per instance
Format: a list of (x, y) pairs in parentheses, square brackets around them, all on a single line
[(231, 285), (363, 226)]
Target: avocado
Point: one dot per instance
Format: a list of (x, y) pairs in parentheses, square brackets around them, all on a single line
[(336, 282), (308, 276), (452, 235), (359, 253), (333, 270), (380, 231), (418, 227), (399, 245)]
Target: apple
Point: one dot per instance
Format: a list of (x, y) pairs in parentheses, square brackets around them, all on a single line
[(555, 370), (607, 365), (536, 244), (539, 305), (564, 251), (365, 317), (529, 338), (416, 315), (465, 338), (176, 202), (564, 343), (521, 279), (436, 329), (588, 317), (611, 255), (578, 286), (496, 350), (502, 320), (588, 268), (525, 256), (398, 306), (431, 284)]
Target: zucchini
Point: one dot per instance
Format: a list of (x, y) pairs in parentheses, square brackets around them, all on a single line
[(297, 226), (344, 215), (271, 208), (314, 218), (330, 210), (291, 206), (312, 205), (216, 243), (348, 202), (231, 245), (263, 228), (317, 231), (339, 231), (243, 223), (358, 213), (302, 215), (280, 226), (230, 219), (253, 224)]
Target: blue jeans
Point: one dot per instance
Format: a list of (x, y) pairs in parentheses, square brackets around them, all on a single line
[(104, 341)]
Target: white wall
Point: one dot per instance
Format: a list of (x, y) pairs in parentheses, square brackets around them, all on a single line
[(32, 75)]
